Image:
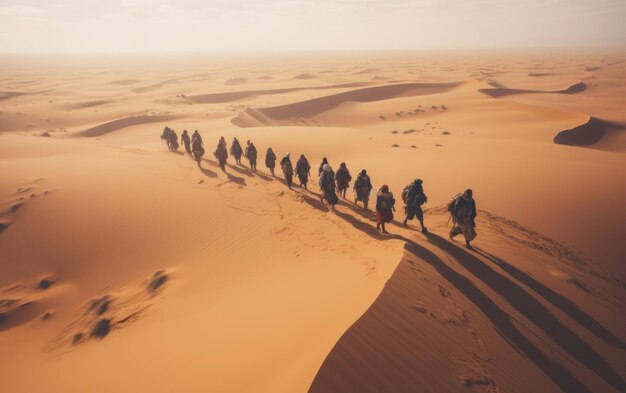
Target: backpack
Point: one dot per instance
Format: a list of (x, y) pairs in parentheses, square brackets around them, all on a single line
[(452, 203), (385, 203), (252, 153), (405, 192)]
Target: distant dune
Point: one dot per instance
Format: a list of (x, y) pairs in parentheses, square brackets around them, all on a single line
[(501, 91), (10, 94), (315, 106), (116, 125), (217, 98), (595, 133), (154, 87), (125, 82)]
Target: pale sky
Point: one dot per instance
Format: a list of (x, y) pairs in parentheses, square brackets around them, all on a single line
[(290, 25)]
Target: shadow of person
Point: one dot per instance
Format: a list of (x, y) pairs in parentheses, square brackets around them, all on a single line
[(263, 176), (315, 203), (240, 170), (236, 179), (369, 214), (208, 172), (500, 319), (534, 311), (558, 300), (368, 229)]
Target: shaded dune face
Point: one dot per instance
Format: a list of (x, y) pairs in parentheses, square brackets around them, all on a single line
[(440, 300), (316, 106), (501, 91), (217, 98), (115, 125), (593, 133)]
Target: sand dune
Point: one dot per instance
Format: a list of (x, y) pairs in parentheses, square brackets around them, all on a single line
[(501, 92), (313, 107), (217, 98), (595, 133), (235, 81), (305, 76), (126, 268), (119, 124), (88, 104), (154, 87), (125, 82), (380, 351), (10, 94)]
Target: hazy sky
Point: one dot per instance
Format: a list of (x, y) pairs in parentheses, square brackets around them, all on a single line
[(279, 25)]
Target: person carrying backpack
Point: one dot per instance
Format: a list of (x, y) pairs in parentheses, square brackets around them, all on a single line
[(343, 178), (463, 210), (186, 141), (321, 168), (270, 160), (414, 197), (327, 185), (362, 188), (196, 138), (287, 168), (166, 136), (221, 154), (173, 138), (303, 170), (251, 155), (236, 151), (384, 208), (197, 150)]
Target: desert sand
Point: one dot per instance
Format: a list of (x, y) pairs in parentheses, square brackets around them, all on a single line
[(124, 267)]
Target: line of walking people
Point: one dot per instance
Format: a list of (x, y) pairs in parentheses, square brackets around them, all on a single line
[(462, 207)]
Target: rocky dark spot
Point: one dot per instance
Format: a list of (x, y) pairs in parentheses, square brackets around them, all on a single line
[(158, 279), (102, 328), (45, 283), (77, 338)]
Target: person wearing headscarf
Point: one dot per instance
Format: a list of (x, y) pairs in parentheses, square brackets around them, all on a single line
[(236, 151), (303, 170), (414, 197), (327, 185), (321, 168), (362, 188), (463, 217), (186, 141), (287, 168), (384, 208), (270, 160), (343, 178)]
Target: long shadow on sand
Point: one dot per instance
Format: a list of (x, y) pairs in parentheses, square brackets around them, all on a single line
[(560, 375), (534, 311), (235, 179), (367, 214), (366, 228), (558, 300), (240, 170), (314, 202), (208, 172)]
